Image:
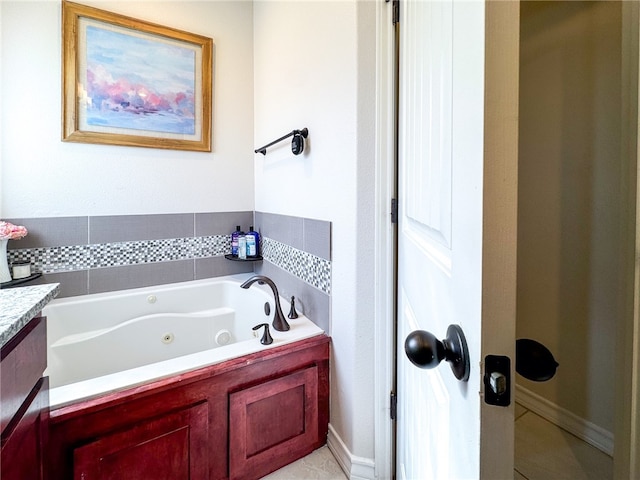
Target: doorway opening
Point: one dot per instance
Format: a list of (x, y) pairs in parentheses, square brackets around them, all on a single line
[(570, 228)]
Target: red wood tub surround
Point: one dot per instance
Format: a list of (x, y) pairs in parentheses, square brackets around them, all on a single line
[(240, 419)]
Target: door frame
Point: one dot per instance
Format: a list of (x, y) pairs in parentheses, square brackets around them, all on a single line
[(627, 427), (385, 242), (626, 460)]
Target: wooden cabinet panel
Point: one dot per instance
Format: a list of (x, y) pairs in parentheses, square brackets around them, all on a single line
[(172, 447), (22, 361), (24, 442), (24, 400), (271, 422)]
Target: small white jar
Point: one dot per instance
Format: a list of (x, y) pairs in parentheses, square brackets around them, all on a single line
[(21, 269)]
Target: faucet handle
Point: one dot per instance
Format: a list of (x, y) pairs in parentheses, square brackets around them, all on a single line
[(266, 339), (292, 311)]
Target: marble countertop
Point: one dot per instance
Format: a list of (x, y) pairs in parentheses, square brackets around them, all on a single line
[(20, 304)]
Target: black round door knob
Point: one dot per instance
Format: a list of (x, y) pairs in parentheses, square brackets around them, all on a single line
[(424, 350)]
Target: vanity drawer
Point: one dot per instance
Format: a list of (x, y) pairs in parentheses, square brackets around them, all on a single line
[(22, 362)]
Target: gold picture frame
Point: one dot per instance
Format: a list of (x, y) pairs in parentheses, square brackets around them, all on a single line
[(133, 83)]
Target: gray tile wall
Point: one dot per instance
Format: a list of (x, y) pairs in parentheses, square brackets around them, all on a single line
[(309, 236), (106, 253), (314, 303), (51, 232), (126, 228)]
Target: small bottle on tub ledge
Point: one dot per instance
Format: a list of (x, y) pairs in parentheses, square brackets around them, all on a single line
[(253, 243), (234, 240), (242, 247)]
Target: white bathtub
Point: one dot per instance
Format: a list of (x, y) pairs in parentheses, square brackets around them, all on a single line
[(112, 341)]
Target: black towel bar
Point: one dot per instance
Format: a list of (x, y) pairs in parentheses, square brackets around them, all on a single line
[(297, 143)]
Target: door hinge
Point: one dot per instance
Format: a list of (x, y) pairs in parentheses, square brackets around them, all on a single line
[(394, 210), (395, 4), (393, 406)]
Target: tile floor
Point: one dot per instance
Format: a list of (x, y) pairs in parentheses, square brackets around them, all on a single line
[(543, 451), (319, 465)]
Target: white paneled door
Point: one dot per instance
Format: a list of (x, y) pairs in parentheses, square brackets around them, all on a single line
[(458, 110)]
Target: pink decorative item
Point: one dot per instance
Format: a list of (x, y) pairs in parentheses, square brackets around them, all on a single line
[(8, 231)]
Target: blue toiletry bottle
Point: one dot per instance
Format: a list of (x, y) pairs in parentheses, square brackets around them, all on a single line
[(234, 241), (253, 247), (250, 242)]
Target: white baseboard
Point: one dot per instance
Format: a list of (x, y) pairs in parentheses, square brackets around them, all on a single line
[(592, 434), (356, 468)]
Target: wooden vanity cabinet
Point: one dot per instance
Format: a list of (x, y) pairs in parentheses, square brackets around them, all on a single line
[(24, 400)]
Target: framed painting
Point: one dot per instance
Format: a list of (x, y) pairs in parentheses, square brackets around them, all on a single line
[(134, 83)]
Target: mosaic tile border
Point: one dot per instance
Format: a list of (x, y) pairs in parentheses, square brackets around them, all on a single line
[(311, 269), (314, 270), (85, 257)]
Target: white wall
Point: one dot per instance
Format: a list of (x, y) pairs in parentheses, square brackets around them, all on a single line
[(314, 68), (297, 64), (43, 177), (569, 234)]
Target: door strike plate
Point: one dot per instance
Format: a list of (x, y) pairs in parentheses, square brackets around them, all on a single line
[(497, 380)]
